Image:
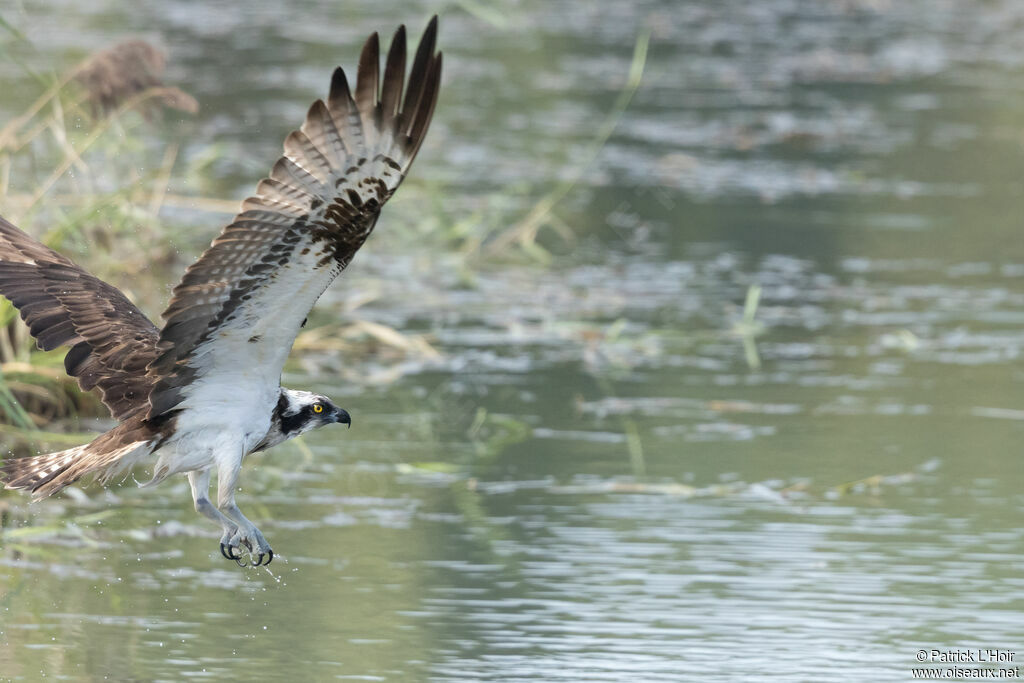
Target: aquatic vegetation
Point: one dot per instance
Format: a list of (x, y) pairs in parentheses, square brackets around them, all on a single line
[(117, 74), (525, 230), (86, 205)]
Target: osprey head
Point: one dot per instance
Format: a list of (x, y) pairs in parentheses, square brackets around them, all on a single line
[(297, 412), (301, 411)]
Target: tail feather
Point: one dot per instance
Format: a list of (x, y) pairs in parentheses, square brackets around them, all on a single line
[(36, 473), (44, 475)]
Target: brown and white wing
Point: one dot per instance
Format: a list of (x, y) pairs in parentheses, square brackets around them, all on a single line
[(111, 341), (239, 307)]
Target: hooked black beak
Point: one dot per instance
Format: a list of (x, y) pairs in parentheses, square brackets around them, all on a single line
[(342, 416)]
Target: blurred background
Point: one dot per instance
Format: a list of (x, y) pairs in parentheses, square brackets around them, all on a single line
[(691, 348)]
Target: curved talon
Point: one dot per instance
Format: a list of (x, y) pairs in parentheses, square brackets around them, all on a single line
[(239, 562), (227, 552), (258, 561), (270, 554)]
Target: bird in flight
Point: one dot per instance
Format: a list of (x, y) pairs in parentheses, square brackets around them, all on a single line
[(204, 391)]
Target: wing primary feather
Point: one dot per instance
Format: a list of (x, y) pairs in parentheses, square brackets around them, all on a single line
[(420, 66), (368, 87), (345, 115), (425, 109), (339, 95), (394, 80)]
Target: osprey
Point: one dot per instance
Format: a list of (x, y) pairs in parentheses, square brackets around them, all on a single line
[(204, 391)]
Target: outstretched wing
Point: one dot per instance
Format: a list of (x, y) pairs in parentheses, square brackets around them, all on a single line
[(237, 310), (111, 341)]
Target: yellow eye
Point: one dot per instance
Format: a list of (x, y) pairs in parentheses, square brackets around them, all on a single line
[(318, 408)]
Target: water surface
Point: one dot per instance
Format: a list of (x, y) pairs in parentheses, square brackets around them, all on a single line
[(603, 473)]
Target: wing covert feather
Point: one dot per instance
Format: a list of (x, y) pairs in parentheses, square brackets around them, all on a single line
[(112, 342)]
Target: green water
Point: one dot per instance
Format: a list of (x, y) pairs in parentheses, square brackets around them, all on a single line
[(604, 474)]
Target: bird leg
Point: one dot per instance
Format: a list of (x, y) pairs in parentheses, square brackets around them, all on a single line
[(199, 480), (246, 534)]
